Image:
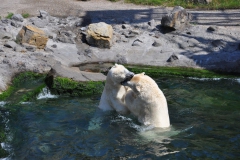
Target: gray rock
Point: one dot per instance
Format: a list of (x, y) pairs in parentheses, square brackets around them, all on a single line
[(212, 28), (10, 44), (15, 24), (4, 34), (200, 1), (75, 74), (156, 44), (48, 50), (120, 59), (218, 43), (43, 14), (40, 23), (137, 42), (172, 58), (178, 19), (152, 23), (19, 49), (30, 48), (1, 50), (66, 37), (54, 46), (17, 17)]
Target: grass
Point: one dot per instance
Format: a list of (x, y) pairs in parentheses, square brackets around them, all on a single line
[(215, 4), (9, 15), (25, 15), (178, 72)]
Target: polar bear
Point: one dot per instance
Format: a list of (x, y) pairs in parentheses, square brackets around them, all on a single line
[(146, 101), (113, 94)]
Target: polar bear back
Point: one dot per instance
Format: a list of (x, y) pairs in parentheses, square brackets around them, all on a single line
[(147, 101)]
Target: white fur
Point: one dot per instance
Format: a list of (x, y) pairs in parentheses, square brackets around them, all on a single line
[(113, 94), (147, 101)]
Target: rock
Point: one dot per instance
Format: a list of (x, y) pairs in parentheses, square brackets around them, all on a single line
[(30, 48), (178, 19), (4, 34), (137, 42), (43, 14), (156, 44), (54, 46), (100, 35), (10, 44), (74, 74), (19, 49), (40, 23), (200, 1), (33, 36), (152, 23), (42, 20), (120, 59), (1, 50), (218, 43), (172, 58), (17, 17), (212, 28), (66, 37), (15, 24)]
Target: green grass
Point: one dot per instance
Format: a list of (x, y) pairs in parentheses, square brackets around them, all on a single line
[(215, 4), (25, 15), (178, 72), (9, 15)]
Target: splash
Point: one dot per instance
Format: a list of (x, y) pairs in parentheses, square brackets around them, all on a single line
[(2, 103), (46, 94)]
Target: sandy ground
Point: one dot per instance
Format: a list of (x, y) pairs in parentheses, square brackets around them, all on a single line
[(109, 9)]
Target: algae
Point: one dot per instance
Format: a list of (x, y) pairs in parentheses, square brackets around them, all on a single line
[(66, 86), (23, 81), (155, 71)]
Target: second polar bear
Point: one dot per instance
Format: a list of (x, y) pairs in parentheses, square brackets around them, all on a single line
[(113, 94), (147, 101)]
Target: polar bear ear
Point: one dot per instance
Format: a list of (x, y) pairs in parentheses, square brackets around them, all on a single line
[(143, 73), (115, 65)]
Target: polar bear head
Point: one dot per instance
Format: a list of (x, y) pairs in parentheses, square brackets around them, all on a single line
[(119, 74), (134, 83)]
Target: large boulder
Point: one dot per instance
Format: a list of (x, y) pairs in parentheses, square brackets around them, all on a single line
[(100, 35), (33, 36), (178, 19)]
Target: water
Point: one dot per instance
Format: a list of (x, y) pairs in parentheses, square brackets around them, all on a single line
[(204, 115)]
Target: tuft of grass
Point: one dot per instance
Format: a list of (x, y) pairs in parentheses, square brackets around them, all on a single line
[(25, 15), (9, 15), (215, 4)]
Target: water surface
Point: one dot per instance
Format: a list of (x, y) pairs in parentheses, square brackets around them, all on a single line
[(204, 115)]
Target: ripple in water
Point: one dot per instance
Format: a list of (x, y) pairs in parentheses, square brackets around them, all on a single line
[(204, 119)]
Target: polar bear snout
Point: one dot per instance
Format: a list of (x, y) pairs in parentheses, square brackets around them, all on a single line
[(128, 77)]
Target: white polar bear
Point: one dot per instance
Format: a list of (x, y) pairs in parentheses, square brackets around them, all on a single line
[(146, 101), (113, 94)]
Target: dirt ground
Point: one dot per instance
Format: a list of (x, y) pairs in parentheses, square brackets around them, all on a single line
[(109, 9)]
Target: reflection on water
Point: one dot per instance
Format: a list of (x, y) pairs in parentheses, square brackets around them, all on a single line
[(204, 115)]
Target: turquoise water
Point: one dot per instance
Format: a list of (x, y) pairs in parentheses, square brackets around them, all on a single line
[(204, 115)]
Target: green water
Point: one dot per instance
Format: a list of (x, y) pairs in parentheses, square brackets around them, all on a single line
[(204, 115)]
